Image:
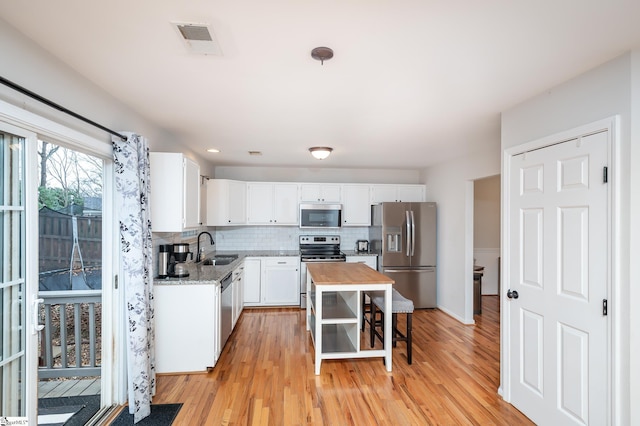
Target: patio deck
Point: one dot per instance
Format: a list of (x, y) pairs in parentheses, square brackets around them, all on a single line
[(59, 388)]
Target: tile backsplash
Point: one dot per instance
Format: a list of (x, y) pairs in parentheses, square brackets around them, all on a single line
[(258, 237), (280, 237)]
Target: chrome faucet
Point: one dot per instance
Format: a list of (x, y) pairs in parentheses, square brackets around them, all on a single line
[(199, 255)]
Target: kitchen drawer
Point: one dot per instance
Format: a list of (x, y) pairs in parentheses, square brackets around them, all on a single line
[(280, 261)]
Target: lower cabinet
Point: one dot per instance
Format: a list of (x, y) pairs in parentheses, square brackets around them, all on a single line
[(237, 294), (252, 273), (371, 260), (272, 281), (281, 281), (187, 327)]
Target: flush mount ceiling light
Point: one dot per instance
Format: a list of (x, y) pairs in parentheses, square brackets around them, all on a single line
[(322, 54), (320, 152), (214, 150)]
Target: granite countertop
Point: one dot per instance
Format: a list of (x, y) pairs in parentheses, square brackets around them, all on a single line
[(200, 274), (358, 253)]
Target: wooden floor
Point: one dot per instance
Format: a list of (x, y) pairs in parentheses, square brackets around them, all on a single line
[(265, 376)]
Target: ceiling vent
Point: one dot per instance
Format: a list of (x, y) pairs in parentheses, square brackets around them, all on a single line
[(198, 38)]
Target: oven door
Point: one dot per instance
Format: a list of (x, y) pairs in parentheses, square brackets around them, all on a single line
[(303, 279)]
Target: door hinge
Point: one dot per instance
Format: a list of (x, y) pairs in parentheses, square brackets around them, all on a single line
[(605, 174), (115, 282), (604, 307)]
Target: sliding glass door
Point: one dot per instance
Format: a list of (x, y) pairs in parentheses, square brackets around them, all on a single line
[(18, 274)]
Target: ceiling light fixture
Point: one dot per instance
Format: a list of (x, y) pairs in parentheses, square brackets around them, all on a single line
[(322, 54), (215, 151), (320, 152)]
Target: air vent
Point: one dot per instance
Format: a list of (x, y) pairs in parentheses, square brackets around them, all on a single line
[(198, 38)]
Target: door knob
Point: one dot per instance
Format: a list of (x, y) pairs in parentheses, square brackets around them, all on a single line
[(512, 294)]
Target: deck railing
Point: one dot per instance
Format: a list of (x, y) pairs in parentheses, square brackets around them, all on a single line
[(70, 340)]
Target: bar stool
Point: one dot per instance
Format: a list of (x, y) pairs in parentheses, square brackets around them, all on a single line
[(399, 305)]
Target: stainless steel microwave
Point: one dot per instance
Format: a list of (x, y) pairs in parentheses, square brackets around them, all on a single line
[(320, 215)]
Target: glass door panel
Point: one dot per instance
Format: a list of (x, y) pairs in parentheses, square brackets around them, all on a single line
[(13, 289)]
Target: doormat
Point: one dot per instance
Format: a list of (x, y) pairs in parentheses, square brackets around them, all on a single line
[(67, 410), (161, 415)]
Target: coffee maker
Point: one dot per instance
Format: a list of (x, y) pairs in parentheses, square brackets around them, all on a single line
[(179, 256)]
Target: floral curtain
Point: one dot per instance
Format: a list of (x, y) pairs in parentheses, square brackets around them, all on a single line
[(131, 158)]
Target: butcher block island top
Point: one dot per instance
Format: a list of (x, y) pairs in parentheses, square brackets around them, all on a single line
[(341, 273), (334, 310)]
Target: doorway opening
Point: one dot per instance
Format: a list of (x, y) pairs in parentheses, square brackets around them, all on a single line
[(486, 240), (70, 244)]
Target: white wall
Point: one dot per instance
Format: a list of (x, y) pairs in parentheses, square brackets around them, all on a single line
[(292, 174), (608, 90), (28, 65), (634, 236), (451, 186)]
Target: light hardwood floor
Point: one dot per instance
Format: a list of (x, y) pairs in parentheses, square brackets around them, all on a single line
[(265, 376)]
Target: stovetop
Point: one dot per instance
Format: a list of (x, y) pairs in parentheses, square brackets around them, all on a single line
[(321, 248)]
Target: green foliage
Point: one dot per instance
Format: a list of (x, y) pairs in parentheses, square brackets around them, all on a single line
[(58, 198)]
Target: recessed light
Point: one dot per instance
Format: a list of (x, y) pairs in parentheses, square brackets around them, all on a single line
[(215, 151)]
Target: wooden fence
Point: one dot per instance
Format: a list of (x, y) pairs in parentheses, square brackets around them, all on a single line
[(56, 240)]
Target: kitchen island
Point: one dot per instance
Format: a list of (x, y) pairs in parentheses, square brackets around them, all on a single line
[(334, 311)]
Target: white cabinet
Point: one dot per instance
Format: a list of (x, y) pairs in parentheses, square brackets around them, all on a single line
[(252, 281), (281, 281), (175, 192), (226, 202), (237, 296), (396, 193), (272, 203), (320, 192), (356, 206), (188, 341), (369, 260)]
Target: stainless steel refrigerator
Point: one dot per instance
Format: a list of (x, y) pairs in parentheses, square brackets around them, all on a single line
[(403, 235)]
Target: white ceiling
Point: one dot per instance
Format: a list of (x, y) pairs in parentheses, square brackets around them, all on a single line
[(412, 83)]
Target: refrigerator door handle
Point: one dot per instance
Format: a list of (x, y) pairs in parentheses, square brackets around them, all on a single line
[(408, 218), (413, 234), (414, 271)]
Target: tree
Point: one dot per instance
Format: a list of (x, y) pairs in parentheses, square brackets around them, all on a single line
[(44, 157), (67, 176), (58, 198)]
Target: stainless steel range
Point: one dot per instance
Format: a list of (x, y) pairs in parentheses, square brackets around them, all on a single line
[(317, 248)]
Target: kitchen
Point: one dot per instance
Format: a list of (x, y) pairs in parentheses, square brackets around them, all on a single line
[(446, 181), (272, 274)]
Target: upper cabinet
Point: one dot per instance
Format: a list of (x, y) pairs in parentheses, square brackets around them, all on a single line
[(175, 192), (396, 193), (320, 192), (272, 203), (226, 202), (356, 209)]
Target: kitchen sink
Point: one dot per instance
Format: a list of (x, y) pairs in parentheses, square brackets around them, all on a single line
[(230, 257), (220, 259)]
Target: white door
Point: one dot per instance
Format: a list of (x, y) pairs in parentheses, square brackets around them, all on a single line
[(18, 274), (559, 231)]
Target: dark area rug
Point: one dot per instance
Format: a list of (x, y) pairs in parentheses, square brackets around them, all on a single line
[(84, 406), (161, 415)]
